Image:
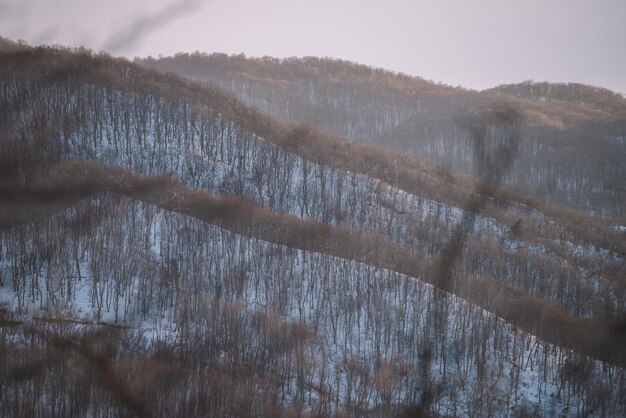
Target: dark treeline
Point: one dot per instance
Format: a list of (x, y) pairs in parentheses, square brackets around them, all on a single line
[(573, 143)]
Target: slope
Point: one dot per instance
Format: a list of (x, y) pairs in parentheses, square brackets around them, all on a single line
[(367, 205), (111, 111), (334, 335), (570, 152)]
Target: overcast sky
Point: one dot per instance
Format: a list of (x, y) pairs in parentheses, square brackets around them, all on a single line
[(473, 43)]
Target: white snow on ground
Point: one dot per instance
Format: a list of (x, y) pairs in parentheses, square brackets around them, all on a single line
[(363, 317), (213, 154), (620, 228)]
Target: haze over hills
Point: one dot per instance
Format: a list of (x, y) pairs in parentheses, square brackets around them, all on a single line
[(571, 150), (576, 93), (183, 254)]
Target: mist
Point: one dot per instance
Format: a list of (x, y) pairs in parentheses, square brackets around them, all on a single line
[(476, 45)]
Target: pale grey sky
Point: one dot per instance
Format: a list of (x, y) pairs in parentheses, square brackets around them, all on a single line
[(474, 43)]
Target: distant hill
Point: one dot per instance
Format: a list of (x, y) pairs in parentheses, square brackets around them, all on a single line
[(576, 93), (571, 150)]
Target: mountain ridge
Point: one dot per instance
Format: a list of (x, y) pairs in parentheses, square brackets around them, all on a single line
[(426, 120), (123, 169)]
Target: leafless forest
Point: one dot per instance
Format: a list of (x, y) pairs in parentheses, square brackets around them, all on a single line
[(212, 235)]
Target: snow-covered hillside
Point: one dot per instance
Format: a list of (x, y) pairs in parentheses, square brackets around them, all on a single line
[(168, 249), (204, 150), (370, 337)]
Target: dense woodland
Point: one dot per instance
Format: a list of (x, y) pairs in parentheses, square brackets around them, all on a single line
[(167, 250), (248, 327), (572, 147)]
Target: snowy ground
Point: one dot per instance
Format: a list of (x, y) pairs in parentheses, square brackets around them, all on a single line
[(365, 321)]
